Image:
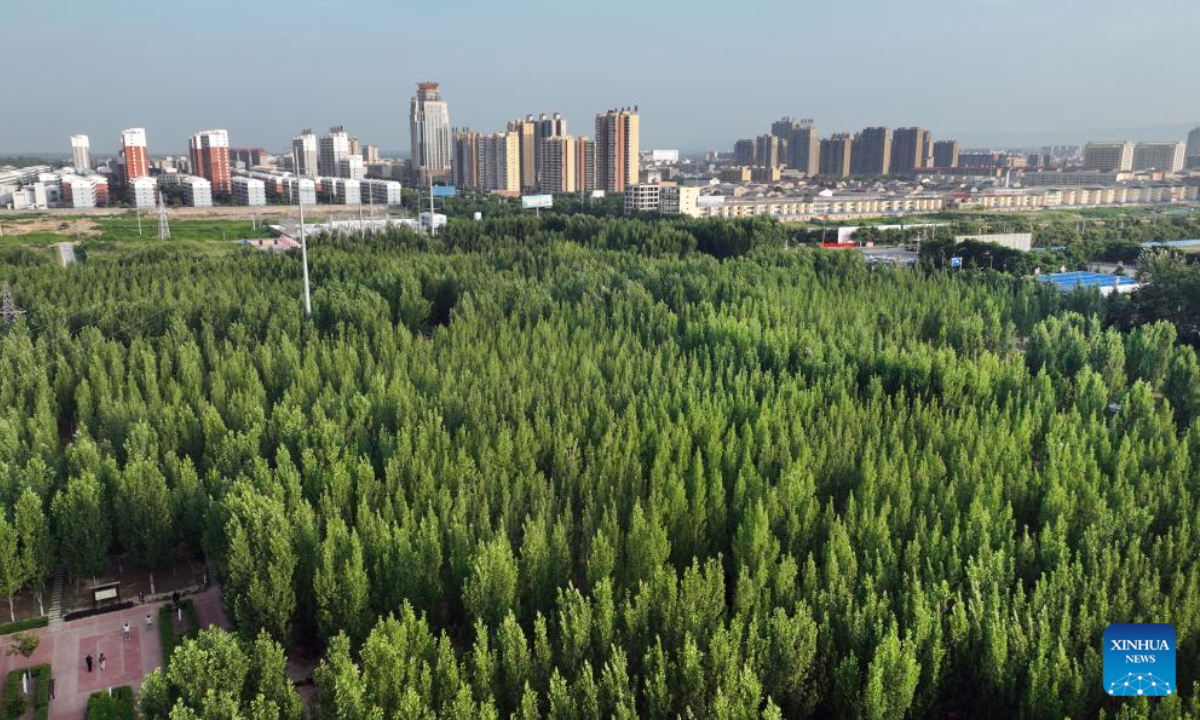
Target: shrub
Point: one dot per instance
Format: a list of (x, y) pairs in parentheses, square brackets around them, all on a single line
[(118, 706), (166, 632), (27, 624), (41, 701), (79, 614), (13, 706)]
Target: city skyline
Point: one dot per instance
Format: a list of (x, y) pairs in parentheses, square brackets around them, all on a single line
[(957, 78)]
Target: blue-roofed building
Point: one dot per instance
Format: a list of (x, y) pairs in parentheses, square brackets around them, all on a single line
[(1071, 281)]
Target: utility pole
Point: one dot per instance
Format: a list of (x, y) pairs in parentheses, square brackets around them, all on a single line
[(9, 312), (304, 259), (139, 214)]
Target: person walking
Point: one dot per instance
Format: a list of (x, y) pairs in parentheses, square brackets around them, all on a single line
[(88, 660), (149, 623), (101, 662), (126, 639)]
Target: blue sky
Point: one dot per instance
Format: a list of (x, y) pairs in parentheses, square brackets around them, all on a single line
[(702, 72)]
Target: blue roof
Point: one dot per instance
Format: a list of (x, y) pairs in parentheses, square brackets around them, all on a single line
[(1173, 243), (1071, 280)]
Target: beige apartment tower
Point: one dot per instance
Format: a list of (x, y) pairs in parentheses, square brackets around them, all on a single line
[(1164, 156), (618, 142), (526, 131), (1108, 156), (911, 146), (836, 151), (558, 164), (466, 159), (500, 163), (585, 164)]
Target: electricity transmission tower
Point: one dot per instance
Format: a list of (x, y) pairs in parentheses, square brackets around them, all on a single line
[(164, 230), (9, 312)]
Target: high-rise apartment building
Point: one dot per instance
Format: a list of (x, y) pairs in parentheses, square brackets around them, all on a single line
[(429, 128), (558, 164), (1108, 156), (135, 158), (81, 152), (355, 147), (352, 167), (743, 152), (1193, 143), (836, 153), (803, 144), (1165, 156), (332, 149), (209, 152), (910, 148), (544, 129), (247, 158), (370, 154), (618, 142), (500, 162), (770, 150), (304, 154), (945, 154), (526, 131), (585, 164), (872, 152), (466, 159)]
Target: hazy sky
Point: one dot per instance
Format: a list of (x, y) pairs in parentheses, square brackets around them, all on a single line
[(703, 73)]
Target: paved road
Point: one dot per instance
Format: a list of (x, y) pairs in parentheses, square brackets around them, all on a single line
[(66, 254)]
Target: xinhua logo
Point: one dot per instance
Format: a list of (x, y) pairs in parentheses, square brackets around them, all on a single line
[(1139, 659)]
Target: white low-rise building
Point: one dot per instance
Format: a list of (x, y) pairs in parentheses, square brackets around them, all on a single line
[(194, 191), (248, 191), (381, 192), (35, 196), (143, 192), (340, 191), (299, 189)]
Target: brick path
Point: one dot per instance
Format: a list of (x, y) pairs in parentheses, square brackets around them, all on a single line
[(66, 645)]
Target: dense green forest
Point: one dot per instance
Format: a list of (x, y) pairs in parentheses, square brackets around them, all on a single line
[(579, 467)]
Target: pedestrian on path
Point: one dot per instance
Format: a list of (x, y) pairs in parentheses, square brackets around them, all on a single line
[(126, 631), (101, 662), (149, 623), (88, 660)]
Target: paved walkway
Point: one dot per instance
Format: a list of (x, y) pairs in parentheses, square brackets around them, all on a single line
[(66, 645)]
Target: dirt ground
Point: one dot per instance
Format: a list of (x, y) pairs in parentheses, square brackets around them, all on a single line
[(73, 226)]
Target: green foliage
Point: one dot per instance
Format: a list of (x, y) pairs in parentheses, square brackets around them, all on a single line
[(261, 563), (24, 644), (218, 674), (14, 703), (118, 706), (83, 527), (579, 466), (29, 624), (167, 637)]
